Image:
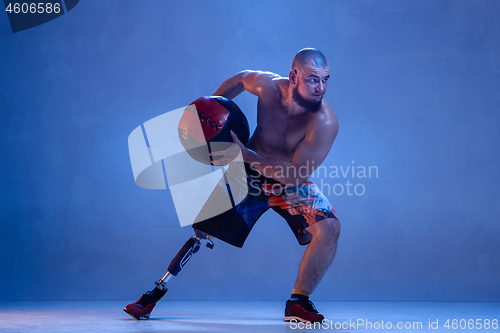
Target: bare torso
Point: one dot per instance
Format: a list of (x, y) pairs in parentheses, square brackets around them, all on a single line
[(278, 133), (287, 136)]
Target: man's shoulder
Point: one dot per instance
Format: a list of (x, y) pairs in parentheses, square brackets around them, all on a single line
[(266, 83), (326, 117), (261, 74)]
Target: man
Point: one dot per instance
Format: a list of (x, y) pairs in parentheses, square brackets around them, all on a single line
[(295, 130)]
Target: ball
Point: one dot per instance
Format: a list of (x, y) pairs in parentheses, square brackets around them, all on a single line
[(206, 123)]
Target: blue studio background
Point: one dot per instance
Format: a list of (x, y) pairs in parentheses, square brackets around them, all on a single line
[(415, 85)]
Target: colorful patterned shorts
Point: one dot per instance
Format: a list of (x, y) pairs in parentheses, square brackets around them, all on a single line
[(301, 206)]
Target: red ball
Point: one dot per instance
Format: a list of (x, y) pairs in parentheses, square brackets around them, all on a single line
[(206, 124)]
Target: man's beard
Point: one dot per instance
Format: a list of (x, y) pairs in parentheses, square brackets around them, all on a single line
[(310, 107)]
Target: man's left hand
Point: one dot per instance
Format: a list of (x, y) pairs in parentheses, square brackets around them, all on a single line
[(226, 156)]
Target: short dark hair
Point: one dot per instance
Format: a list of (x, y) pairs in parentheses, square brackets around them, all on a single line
[(308, 54)]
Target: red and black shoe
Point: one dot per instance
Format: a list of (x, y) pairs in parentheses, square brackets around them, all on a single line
[(301, 310), (143, 307)]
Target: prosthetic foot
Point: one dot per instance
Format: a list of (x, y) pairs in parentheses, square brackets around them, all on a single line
[(141, 309)]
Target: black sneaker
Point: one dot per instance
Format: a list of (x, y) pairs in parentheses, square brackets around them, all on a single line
[(301, 310), (141, 309)]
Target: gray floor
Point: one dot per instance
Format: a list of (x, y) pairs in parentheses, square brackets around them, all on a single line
[(229, 316)]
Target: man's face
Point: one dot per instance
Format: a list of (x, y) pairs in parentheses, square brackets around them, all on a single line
[(311, 86)]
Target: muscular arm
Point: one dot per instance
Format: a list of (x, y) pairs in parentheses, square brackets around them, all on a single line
[(255, 82), (308, 155)]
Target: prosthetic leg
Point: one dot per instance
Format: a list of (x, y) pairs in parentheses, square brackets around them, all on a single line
[(143, 307)]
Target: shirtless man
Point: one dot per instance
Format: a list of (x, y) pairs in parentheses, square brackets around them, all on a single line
[(295, 130)]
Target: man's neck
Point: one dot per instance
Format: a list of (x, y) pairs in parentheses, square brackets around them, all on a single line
[(292, 107)]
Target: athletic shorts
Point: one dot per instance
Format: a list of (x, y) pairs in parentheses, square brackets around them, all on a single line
[(301, 206)]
